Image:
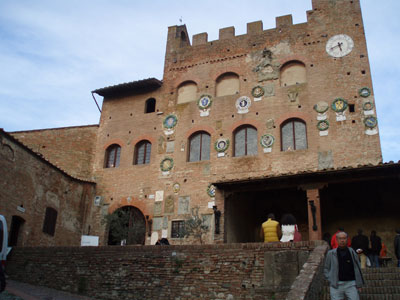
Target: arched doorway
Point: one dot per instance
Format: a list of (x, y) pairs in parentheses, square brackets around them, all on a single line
[(15, 228), (127, 224)]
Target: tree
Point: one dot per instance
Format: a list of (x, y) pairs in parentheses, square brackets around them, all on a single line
[(126, 223), (195, 225)]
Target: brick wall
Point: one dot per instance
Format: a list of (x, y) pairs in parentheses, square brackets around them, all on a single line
[(310, 282), (70, 148), (29, 184), (229, 271)]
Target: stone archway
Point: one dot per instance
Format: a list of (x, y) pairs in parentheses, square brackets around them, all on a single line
[(126, 224)]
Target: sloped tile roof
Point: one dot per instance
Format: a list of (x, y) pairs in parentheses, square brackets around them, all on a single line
[(133, 87)]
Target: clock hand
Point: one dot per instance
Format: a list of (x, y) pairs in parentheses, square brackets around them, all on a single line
[(338, 45)]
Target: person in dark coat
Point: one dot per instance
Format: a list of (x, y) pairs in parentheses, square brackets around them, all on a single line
[(397, 246), (360, 244), (376, 246)]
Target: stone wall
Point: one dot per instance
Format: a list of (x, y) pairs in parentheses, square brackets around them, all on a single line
[(228, 271), (29, 184), (69, 148), (309, 283)]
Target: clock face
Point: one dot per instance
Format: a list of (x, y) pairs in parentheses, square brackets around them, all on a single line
[(339, 45)]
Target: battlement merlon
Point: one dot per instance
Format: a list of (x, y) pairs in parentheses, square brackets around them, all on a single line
[(178, 37), (177, 33), (322, 12)]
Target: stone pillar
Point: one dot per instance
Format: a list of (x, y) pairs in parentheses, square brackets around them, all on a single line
[(314, 214)]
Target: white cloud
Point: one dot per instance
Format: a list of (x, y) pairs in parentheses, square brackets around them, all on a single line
[(53, 53)]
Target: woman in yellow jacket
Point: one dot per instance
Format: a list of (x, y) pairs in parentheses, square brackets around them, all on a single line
[(270, 230)]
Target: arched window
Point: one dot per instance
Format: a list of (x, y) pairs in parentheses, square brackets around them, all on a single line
[(113, 154), (227, 84), (187, 92), (293, 72), (150, 106), (142, 153), (199, 146), (293, 135), (245, 141)]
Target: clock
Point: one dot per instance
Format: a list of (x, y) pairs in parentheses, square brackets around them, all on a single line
[(339, 45)]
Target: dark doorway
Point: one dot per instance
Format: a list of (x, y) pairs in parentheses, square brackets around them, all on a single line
[(126, 224), (367, 205), (246, 211), (15, 229)]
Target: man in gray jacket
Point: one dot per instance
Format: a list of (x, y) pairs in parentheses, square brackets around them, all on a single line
[(343, 271)]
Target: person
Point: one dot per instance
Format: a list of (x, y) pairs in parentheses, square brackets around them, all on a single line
[(270, 230), (289, 228), (163, 241), (376, 246), (343, 271), (334, 243), (327, 238), (2, 280), (397, 246), (360, 244), (383, 252)]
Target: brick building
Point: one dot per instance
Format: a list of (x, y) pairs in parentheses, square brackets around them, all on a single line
[(42, 203), (276, 120)]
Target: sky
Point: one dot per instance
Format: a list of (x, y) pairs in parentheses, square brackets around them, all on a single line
[(54, 53)]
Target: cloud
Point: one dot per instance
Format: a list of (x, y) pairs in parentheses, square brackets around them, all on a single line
[(53, 53)]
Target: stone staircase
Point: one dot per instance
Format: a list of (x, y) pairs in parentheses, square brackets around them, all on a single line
[(380, 284)]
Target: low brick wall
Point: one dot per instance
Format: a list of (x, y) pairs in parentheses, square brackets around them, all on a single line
[(227, 271), (308, 285)]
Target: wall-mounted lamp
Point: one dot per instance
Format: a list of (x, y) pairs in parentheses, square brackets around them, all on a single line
[(313, 212)]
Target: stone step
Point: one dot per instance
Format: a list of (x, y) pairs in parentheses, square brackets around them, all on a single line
[(371, 292), (363, 296), (383, 283), (380, 297), (380, 270), (389, 290), (381, 276)]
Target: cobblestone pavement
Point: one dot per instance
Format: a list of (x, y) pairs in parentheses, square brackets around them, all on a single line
[(22, 291)]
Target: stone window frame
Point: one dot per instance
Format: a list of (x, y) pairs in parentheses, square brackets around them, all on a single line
[(146, 154), (236, 131), (194, 135), (293, 121), (112, 156), (50, 220)]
